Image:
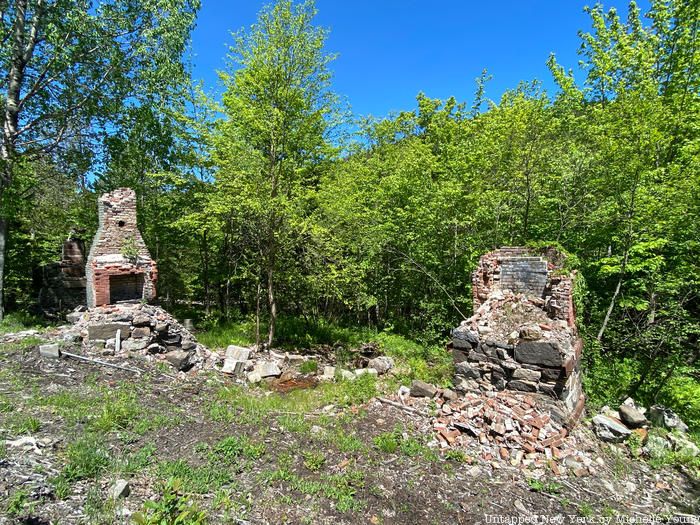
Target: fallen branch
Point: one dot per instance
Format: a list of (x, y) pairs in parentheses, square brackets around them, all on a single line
[(101, 363), (402, 407)]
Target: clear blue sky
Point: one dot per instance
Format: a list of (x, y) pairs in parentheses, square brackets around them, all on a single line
[(389, 50)]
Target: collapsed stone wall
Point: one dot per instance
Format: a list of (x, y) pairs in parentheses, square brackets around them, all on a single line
[(138, 330), (523, 334), (119, 266), (63, 283)]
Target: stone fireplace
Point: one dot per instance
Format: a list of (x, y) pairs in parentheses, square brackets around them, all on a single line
[(119, 267)]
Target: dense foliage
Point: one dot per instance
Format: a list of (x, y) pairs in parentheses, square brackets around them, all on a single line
[(263, 209)]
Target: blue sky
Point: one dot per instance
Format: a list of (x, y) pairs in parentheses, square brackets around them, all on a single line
[(389, 50)]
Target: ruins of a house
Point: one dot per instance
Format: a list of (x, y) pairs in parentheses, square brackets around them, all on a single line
[(119, 267), (523, 334), (63, 283)]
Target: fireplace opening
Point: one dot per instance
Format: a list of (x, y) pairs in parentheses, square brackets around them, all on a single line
[(125, 287)]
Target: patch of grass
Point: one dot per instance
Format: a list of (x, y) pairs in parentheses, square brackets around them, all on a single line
[(549, 487), (16, 502), (138, 460), (294, 423), (220, 335), (21, 321), (61, 487), (196, 479), (399, 440), (345, 442), (387, 442), (233, 447), (308, 367), (314, 460), (235, 403), (117, 412), (339, 488), (99, 510), (173, 508), (6, 406), (456, 455), (86, 458), (3, 449), (25, 424)]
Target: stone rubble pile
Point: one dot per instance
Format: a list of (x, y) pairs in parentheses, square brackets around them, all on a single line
[(256, 366), (124, 329), (669, 434), (508, 428)]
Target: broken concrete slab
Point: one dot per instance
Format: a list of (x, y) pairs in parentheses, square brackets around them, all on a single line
[(237, 353), (120, 489), (267, 369), (50, 350), (328, 373), (631, 417), (347, 375), (179, 359)]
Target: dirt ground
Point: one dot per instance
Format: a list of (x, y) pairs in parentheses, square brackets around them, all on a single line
[(333, 454)]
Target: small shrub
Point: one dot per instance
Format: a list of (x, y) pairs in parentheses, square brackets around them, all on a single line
[(15, 504), (232, 447), (173, 508), (308, 367), (387, 442), (314, 460), (86, 459), (456, 455)]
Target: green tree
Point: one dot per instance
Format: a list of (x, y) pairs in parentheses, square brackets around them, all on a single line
[(69, 67), (273, 141)]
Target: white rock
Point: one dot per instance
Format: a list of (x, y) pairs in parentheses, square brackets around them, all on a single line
[(254, 377), (267, 369), (362, 371), (237, 353), (328, 373), (120, 489), (347, 375), (51, 351), (381, 364)]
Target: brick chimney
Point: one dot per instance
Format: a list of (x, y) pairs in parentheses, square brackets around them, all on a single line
[(119, 267)]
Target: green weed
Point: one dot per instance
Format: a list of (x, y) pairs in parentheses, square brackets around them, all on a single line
[(314, 460), (16, 502), (173, 508), (308, 367), (196, 479)]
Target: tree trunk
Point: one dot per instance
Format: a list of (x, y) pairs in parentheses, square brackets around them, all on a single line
[(273, 306), (3, 235)]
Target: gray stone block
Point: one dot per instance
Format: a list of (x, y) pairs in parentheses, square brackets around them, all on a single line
[(104, 331), (539, 353)]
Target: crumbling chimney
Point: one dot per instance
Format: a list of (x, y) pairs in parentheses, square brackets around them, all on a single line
[(119, 267)]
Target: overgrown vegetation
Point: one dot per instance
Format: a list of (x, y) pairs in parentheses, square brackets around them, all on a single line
[(268, 227)]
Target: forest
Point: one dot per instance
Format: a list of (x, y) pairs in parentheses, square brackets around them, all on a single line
[(277, 212)]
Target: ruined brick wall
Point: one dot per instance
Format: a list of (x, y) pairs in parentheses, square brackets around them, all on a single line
[(119, 263), (63, 283), (523, 334), (522, 270)]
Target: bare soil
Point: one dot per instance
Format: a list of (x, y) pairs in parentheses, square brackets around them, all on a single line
[(353, 480)]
